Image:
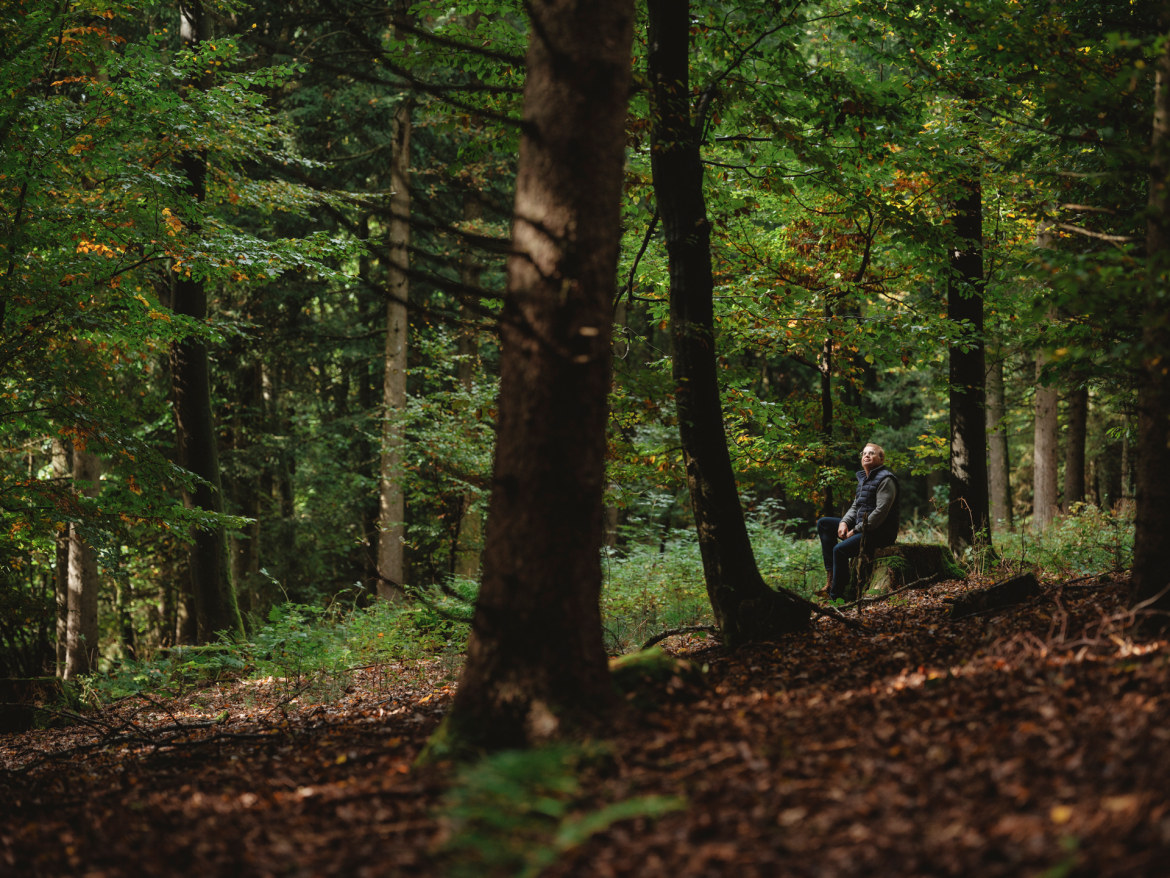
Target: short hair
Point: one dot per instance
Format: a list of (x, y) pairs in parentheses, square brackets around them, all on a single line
[(881, 452)]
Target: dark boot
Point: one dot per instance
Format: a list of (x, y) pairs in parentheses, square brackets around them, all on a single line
[(828, 589)]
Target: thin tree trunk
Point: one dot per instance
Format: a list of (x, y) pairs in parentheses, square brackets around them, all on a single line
[(968, 514), (1045, 450), (1074, 448), (1151, 560), (826, 369), (535, 659), (469, 536), (244, 546), (61, 472), (392, 507), (81, 639), (999, 465), (745, 608)]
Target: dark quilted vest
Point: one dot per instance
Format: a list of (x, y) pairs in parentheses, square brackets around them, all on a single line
[(887, 532)]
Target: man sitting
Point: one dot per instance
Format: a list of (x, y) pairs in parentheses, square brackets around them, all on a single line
[(870, 523)]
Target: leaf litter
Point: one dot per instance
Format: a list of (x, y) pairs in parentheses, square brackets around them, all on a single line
[(1029, 741)]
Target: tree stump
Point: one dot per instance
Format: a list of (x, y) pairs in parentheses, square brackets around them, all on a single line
[(23, 701), (907, 564)]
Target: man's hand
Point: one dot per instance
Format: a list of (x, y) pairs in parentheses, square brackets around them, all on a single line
[(842, 531)]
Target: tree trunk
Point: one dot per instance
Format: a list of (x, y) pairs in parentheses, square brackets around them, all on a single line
[(81, 638), (535, 659), (1074, 448), (61, 470), (1045, 448), (392, 507), (825, 366), (1151, 560), (211, 596), (469, 537), (999, 464), (968, 515), (745, 608), (244, 547)]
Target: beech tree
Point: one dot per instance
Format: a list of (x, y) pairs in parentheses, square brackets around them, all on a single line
[(535, 657), (968, 513), (745, 608), (211, 592)]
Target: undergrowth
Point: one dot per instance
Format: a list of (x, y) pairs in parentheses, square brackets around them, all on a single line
[(647, 589)]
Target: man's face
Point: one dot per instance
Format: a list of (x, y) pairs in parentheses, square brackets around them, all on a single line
[(871, 458)]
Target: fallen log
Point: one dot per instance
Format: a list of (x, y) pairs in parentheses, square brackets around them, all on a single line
[(995, 597)]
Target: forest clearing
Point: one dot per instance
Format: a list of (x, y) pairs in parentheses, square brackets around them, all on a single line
[(1029, 741)]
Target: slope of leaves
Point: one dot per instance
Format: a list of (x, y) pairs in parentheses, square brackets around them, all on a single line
[(1028, 742)]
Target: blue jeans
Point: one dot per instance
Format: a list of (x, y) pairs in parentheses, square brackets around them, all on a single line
[(837, 554)]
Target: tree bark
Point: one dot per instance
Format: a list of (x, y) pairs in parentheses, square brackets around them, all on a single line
[(745, 608), (999, 463), (211, 596), (61, 470), (535, 659), (392, 505), (469, 537), (1151, 560), (1074, 448), (81, 638), (825, 366), (968, 513), (1045, 450)]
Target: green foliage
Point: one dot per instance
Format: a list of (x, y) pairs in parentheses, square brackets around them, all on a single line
[(307, 650), (648, 590), (654, 586), (1086, 542), (515, 812)]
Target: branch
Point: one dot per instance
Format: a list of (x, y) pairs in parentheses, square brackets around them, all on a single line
[(690, 629)]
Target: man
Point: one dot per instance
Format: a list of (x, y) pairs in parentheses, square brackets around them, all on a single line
[(869, 524)]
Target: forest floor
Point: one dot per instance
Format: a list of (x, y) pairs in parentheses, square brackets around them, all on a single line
[(1033, 741)]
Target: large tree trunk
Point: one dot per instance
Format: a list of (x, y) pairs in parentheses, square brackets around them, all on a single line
[(211, 596), (1074, 448), (1151, 560), (745, 608), (998, 462), (535, 659), (392, 507), (968, 514), (1045, 451), (81, 638)]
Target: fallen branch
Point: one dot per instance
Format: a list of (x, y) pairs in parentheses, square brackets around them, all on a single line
[(836, 614), (690, 629)]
